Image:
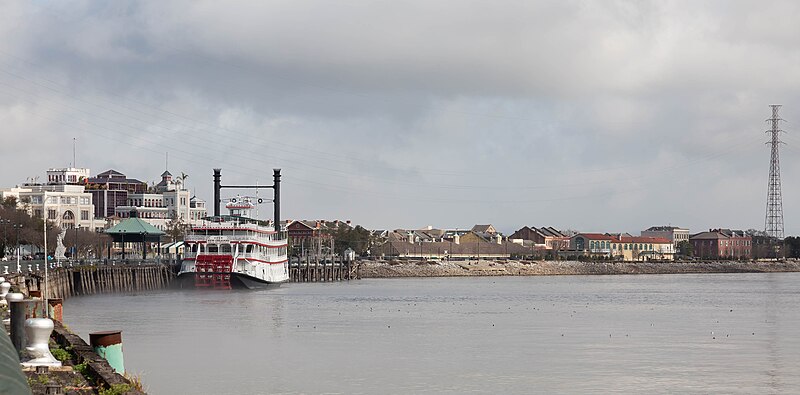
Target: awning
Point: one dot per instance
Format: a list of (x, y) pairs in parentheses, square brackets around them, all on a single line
[(172, 248)]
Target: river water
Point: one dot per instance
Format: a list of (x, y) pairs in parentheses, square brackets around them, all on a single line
[(706, 333)]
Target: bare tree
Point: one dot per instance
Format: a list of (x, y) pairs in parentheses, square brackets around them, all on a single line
[(176, 228)]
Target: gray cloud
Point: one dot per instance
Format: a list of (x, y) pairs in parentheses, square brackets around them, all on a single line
[(607, 116)]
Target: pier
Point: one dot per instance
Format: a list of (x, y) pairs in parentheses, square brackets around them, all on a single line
[(64, 282), (309, 269)]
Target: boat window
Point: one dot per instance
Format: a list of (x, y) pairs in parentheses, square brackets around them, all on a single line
[(194, 247), (249, 248), (202, 247), (212, 248), (225, 248)]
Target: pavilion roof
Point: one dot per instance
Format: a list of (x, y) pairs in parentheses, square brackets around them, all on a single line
[(134, 226)]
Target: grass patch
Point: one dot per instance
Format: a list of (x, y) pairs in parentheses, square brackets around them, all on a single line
[(82, 368), (116, 389), (136, 381), (61, 354)]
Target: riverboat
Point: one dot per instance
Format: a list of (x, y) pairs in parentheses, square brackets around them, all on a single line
[(234, 251)]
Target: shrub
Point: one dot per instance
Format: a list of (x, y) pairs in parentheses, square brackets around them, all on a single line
[(116, 389), (60, 354)]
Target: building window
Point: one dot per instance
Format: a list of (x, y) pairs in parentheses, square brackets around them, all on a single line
[(84, 215), (52, 214)]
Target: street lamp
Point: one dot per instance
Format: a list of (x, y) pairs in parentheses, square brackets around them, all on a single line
[(123, 244), (75, 245), (18, 227), (5, 222)]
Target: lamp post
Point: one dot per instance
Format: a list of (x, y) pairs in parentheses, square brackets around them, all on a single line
[(122, 232), (18, 227), (75, 245), (5, 222)]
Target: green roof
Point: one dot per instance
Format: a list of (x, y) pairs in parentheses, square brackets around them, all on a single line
[(134, 226)]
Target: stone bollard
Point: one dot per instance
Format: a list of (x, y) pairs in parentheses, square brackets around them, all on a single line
[(56, 308), (37, 267), (37, 350), (108, 344), (30, 267), (5, 286), (5, 269), (11, 297), (17, 320), (2, 280)]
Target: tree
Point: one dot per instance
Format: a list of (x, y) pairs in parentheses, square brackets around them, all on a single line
[(358, 239), (9, 202), (685, 248), (89, 244), (755, 233), (792, 246), (182, 180), (176, 228)]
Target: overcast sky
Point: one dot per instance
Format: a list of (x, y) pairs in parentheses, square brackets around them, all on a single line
[(607, 116)]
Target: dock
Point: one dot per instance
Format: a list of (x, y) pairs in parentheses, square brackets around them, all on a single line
[(309, 269)]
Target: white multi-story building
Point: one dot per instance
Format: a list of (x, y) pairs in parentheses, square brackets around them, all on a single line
[(69, 206), (65, 201), (168, 201), (197, 210), (67, 175), (672, 233)]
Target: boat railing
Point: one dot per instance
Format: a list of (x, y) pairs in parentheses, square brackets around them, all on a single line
[(267, 238)]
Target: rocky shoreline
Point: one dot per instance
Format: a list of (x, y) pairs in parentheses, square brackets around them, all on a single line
[(390, 269)]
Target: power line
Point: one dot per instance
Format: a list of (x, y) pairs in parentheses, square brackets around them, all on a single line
[(190, 140)]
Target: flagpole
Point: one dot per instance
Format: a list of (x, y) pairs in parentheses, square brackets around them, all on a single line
[(46, 262)]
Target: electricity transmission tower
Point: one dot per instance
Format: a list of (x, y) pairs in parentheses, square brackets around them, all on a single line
[(773, 224)]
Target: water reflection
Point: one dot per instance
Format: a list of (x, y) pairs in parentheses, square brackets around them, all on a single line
[(631, 334)]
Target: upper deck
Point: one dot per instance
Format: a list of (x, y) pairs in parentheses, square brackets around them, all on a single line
[(236, 229)]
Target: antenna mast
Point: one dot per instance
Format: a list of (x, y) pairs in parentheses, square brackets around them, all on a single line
[(773, 224)]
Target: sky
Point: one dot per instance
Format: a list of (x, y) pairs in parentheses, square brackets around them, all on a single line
[(609, 116)]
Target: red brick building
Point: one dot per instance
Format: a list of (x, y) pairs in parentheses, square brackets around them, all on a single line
[(722, 244)]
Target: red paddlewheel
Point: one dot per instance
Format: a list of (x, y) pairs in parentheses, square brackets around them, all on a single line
[(213, 271)]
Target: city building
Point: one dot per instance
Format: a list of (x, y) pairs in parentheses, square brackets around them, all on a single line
[(166, 202), (484, 229), (547, 238), (110, 189), (722, 244), (69, 206), (63, 199), (673, 233), (67, 176), (621, 247)]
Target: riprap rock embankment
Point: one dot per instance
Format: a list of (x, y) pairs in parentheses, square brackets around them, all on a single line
[(386, 269)]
